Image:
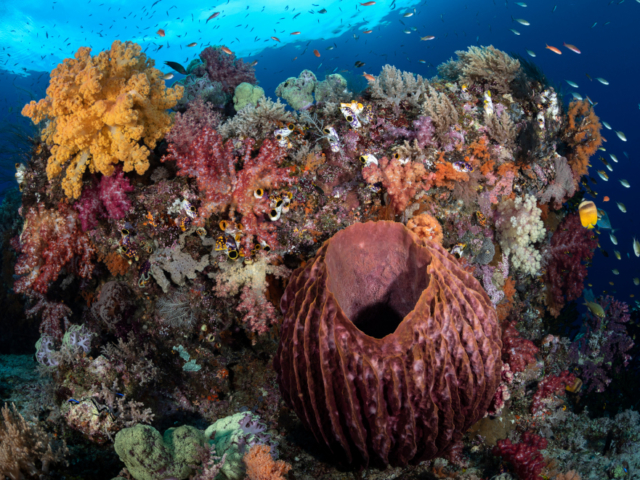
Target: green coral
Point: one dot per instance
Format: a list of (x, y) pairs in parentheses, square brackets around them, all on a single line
[(298, 92), (246, 94), (229, 437), (150, 456)]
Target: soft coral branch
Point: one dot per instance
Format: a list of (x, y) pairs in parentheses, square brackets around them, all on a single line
[(50, 241), (213, 164)]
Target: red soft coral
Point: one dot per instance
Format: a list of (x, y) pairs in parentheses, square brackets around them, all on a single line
[(571, 246), (224, 68), (551, 385), (212, 163), (518, 352), (525, 457), (50, 240)]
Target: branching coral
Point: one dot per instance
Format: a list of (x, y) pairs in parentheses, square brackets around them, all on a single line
[(99, 109), (50, 241), (443, 114), (482, 64), (393, 87), (519, 226), (401, 182), (571, 246), (258, 121), (583, 136), (25, 450), (252, 280)]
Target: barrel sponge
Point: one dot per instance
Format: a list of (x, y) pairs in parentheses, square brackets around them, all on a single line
[(389, 349)]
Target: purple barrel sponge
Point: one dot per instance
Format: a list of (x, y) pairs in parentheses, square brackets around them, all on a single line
[(389, 349)]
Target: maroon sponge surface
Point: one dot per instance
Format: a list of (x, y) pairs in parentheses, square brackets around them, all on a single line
[(389, 350)]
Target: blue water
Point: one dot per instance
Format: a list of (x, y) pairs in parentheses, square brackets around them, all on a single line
[(35, 36)]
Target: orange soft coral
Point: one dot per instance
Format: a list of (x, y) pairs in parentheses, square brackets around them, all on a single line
[(479, 152), (426, 227), (260, 465), (99, 109), (447, 176), (116, 263), (507, 304), (402, 181), (583, 136)]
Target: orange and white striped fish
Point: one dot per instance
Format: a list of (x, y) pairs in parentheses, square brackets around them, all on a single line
[(226, 50), (554, 49)]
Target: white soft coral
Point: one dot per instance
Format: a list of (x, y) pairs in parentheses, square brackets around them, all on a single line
[(519, 226)]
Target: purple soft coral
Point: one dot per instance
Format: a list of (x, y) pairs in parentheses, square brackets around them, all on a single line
[(602, 343), (226, 69), (89, 208)]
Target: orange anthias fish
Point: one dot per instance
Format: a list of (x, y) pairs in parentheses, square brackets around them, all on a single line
[(295, 33), (369, 77), (193, 44), (316, 53), (367, 31), (212, 16), (160, 32), (554, 50), (573, 48), (275, 38), (367, 4), (226, 50), (606, 199)]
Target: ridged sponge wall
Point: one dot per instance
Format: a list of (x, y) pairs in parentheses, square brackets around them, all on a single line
[(389, 349)]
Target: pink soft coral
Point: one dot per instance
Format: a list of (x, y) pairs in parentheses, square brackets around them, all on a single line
[(112, 191)]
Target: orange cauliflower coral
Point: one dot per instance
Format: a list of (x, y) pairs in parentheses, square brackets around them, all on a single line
[(261, 466), (99, 108), (426, 227)]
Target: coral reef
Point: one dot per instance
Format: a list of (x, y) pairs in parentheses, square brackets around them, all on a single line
[(383, 269)]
